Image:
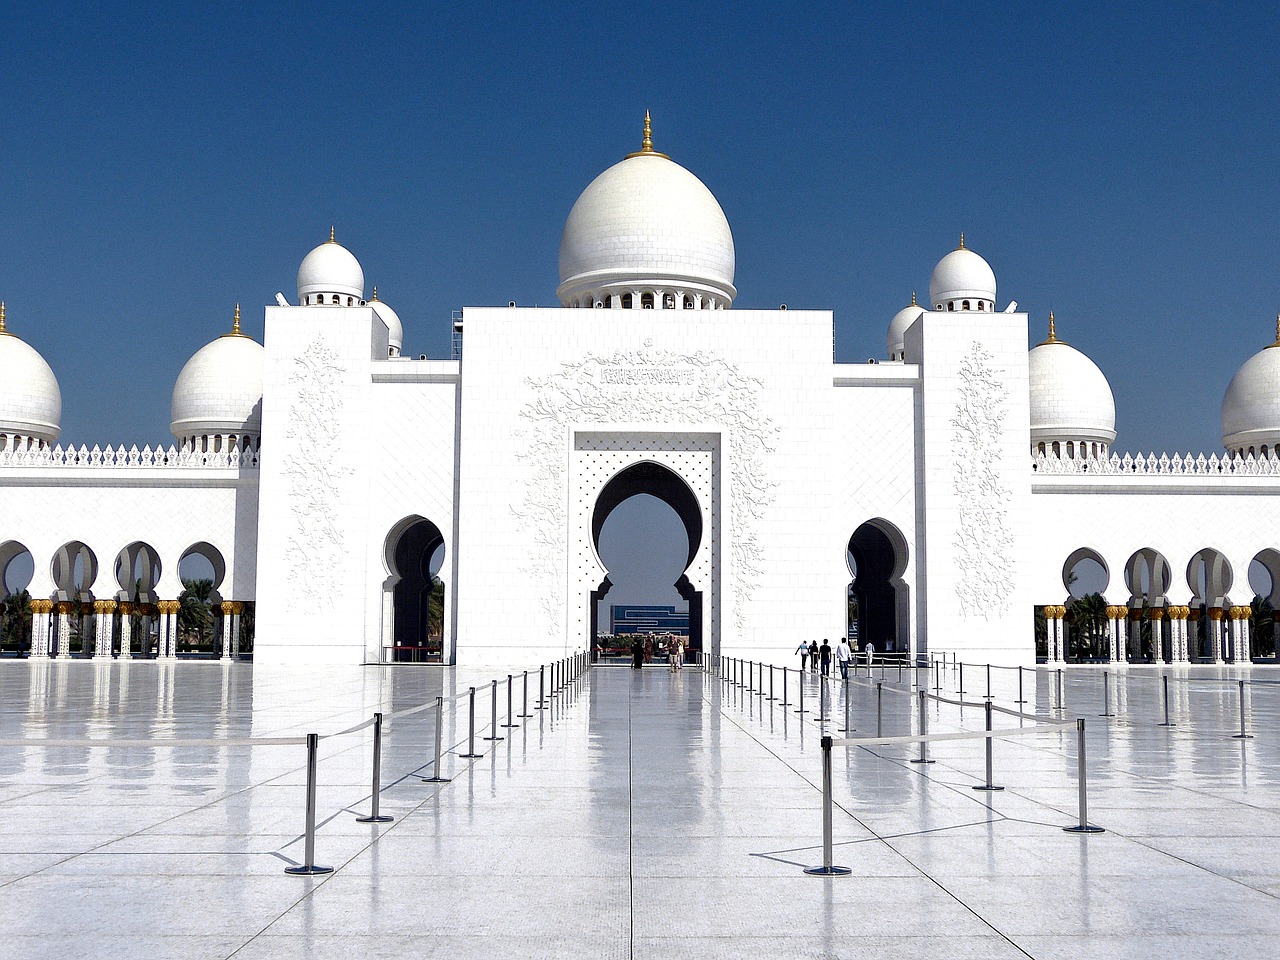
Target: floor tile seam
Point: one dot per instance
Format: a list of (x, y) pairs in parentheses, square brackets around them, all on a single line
[(1202, 867)]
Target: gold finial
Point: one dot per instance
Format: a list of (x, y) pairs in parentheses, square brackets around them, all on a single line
[(2, 329), (235, 325), (961, 247), (913, 299), (375, 293), (1269, 346), (331, 240), (646, 145), (1053, 335)]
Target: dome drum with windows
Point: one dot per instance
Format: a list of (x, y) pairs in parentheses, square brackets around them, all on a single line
[(647, 234)]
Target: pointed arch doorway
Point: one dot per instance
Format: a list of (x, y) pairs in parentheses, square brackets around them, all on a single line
[(648, 478)]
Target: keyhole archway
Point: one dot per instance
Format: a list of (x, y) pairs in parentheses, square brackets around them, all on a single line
[(879, 598), (650, 479), (415, 554)]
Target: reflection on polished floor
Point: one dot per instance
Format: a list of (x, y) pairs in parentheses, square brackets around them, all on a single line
[(642, 814)]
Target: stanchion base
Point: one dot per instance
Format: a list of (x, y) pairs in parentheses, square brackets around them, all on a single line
[(494, 739), (1166, 724), (510, 726), (919, 760), (1019, 701), (771, 698), (470, 756), (1106, 715), (989, 788), (436, 779), (799, 711), (828, 871), (1242, 736), (524, 716), (307, 870), (1079, 829), (382, 819)]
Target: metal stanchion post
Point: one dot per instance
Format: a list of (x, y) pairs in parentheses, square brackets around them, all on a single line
[(377, 774), (801, 685), (988, 785), (309, 867), (828, 869), (1243, 734), (961, 690), (784, 686), (436, 778), (771, 696), (988, 695), (511, 715), (937, 679), (471, 728), (493, 713), (1106, 694), (848, 706), (542, 697), (1166, 703), (1059, 682), (524, 697), (924, 727), (879, 711), (1083, 826), (1020, 697)]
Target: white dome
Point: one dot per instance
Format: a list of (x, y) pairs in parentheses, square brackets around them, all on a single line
[(1071, 399), (219, 391), (30, 401), (330, 269), (898, 326), (1251, 406), (962, 275), (646, 224), (395, 329)]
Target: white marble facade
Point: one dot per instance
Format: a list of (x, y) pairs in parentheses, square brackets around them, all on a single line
[(985, 471)]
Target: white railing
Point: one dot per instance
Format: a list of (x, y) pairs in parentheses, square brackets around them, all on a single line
[(1151, 465), (126, 458)]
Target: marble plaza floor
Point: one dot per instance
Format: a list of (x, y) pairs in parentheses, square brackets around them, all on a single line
[(642, 814)]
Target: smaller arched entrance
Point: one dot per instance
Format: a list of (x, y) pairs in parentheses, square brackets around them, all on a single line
[(879, 599), (415, 556), (1148, 576), (650, 479)]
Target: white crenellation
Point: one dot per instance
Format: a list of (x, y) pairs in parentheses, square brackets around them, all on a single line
[(1151, 464), (122, 457)]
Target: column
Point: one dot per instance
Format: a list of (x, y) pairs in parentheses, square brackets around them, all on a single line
[(237, 608), (1193, 626), (126, 630), (1157, 634), (1242, 646), (1134, 637), (63, 609), (87, 622), (227, 609), (1178, 633), (168, 646), (103, 610), (1114, 613), (1053, 620), (40, 610), (1122, 635), (1215, 634)]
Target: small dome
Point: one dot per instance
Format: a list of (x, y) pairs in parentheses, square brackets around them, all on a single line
[(395, 329), (219, 391), (649, 225), (1251, 406), (30, 401), (902, 320), (1071, 400), (959, 276), (330, 269)]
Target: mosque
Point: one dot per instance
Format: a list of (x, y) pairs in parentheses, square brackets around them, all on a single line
[(330, 481)]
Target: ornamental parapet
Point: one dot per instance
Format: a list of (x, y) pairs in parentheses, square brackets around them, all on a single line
[(131, 457), (1161, 465)]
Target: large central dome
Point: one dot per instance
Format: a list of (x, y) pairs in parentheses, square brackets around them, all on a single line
[(647, 232)]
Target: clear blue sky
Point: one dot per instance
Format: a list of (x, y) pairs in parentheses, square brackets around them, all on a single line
[(1114, 162)]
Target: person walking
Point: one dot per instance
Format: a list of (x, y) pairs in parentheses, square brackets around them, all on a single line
[(637, 653), (824, 653), (843, 653), (803, 650), (813, 655)]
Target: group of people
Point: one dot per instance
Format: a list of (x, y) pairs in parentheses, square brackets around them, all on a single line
[(818, 658), (642, 651)]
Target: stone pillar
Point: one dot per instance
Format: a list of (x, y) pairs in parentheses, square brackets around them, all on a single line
[(1133, 640), (1115, 621), (1193, 626), (87, 623), (1057, 639), (1157, 634), (1215, 634), (64, 609), (40, 627), (104, 610), (1178, 633), (168, 646), (126, 630), (227, 609), (237, 608), (1241, 641)]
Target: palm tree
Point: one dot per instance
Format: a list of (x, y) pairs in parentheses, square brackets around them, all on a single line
[(194, 615), (1262, 626), (1089, 614), (16, 624)]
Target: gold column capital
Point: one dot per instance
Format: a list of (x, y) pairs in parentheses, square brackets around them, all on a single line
[(1215, 613), (227, 607), (1157, 613), (125, 608)]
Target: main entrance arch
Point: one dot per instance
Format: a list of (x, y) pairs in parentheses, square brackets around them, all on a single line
[(414, 556), (880, 600), (653, 479)]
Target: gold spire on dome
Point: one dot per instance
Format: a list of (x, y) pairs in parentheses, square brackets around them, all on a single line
[(2, 329), (961, 247), (913, 299), (1269, 346), (646, 145), (331, 240), (375, 294), (235, 325), (1053, 335)]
